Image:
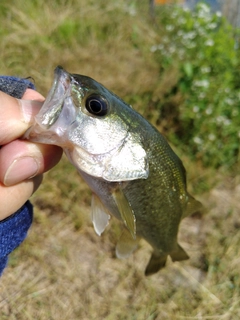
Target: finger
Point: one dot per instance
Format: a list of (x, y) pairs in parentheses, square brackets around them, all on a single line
[(16, 116), (20, 160), (31, 94), (12, 198)]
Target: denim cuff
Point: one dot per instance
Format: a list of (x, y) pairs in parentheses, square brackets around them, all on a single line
[(14, 86), (13, 230)]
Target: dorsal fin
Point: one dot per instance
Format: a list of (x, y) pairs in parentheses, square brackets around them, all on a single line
[(193, 206), (99, 215), (125, 210)]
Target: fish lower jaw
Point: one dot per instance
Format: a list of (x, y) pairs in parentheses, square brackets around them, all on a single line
[(41, 136)]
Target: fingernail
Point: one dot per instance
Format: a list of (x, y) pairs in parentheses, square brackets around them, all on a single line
[(29, 109), (20, 170)]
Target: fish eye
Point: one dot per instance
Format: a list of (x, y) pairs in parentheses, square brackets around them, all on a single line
[(96, 105)]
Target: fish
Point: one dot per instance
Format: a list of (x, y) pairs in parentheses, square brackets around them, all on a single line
[(128, 164)]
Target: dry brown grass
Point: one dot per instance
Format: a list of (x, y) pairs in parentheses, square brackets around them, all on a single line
[(64, 270)]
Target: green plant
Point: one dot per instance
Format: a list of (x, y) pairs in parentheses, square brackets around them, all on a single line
[(202, 46)]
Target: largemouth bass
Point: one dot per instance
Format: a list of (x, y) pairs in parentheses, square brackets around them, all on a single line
[(131, 169)]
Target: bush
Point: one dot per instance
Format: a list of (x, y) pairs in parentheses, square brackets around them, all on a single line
[(202, 46)]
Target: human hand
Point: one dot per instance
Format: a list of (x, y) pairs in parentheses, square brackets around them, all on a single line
[(21, 162)]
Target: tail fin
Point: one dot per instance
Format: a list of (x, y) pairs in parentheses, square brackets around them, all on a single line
[(157, 262), (179, 254)]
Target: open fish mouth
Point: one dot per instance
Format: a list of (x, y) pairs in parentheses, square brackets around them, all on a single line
[(53, 104), (57, 111)]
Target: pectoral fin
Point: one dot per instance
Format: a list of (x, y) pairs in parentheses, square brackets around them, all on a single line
[(125, 210), (126, 245), (99, 215)]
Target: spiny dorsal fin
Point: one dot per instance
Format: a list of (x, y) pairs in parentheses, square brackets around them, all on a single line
[(125, 210), (99, 215), (126, 245), (193, 206)]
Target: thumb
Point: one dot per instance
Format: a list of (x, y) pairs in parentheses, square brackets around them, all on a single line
[(16, 116)]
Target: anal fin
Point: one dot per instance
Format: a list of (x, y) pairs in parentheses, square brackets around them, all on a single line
[(156, 262)]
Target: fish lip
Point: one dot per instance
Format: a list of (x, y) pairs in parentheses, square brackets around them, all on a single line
[(58, 72), (52, 106)]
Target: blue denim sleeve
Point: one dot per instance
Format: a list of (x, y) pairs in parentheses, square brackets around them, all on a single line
[(13, 229), (14, 86)]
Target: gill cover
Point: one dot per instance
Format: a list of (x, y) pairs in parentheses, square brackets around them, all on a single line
[(126, 162)]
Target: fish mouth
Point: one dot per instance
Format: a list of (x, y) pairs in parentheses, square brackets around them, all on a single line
[(53, 104), (56, 113)]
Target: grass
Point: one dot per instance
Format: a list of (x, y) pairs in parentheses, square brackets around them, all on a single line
[(64, 270)]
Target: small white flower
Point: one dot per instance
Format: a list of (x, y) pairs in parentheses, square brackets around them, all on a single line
[(229, 101), (181, 53), (220, 119), (195, 109), (160, 47), (165, 39), (186, 8), (153, 48), (212, 25), (211, 137), (182, 20), (196, 25), (190, 44), (169, 27), (223, 120), (132, 11), (202, 95), (205, 69), (202, 32), (180, 33), (209, 110), (197, 140), (172, 49), (204, 8), (227, 122), (209, 43), (191, 35), (201, 83), (174, 14)]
